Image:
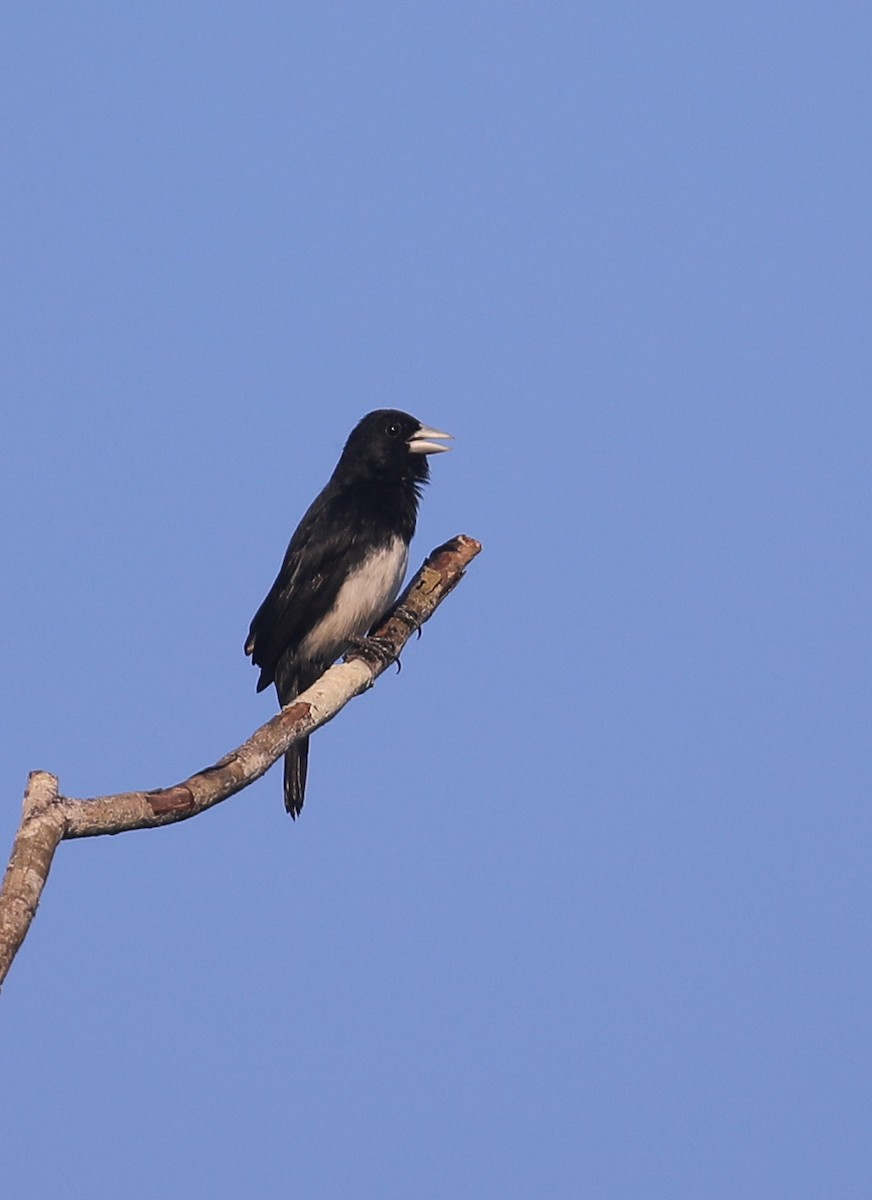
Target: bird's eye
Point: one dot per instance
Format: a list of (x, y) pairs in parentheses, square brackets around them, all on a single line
[(393, 429)]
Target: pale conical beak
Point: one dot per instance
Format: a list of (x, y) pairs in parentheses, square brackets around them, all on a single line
[(426, 441)]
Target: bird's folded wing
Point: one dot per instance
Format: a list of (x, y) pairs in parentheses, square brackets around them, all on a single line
[(313, 570)]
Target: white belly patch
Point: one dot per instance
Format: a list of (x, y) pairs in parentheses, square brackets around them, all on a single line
[(366, 594)]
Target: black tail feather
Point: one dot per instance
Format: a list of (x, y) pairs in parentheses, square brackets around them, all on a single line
[(296, 764), (291, 679)]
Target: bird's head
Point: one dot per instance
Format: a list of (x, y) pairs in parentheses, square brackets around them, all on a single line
[(393, 444)]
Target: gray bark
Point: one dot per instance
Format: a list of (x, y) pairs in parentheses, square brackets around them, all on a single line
[(49, 818)]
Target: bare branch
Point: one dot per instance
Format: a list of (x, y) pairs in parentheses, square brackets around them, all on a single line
[(49, 818), (41, 830)]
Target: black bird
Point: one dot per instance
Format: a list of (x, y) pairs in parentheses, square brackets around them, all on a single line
[(344, 565)]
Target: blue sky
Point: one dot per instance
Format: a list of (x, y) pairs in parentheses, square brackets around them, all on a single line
[(578, 906)]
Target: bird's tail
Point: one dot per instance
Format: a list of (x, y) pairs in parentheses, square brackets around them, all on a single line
[(296, 764), (291, 679)]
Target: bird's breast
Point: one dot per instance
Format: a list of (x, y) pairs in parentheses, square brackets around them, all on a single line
[(367, 592)]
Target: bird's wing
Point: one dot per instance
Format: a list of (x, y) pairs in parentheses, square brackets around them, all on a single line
[(306, 586)]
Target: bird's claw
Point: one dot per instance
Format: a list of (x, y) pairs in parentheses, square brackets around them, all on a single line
[(408, 616), (373, 647)]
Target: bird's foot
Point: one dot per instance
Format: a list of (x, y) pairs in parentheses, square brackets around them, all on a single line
[(373, 648), (408, 616)]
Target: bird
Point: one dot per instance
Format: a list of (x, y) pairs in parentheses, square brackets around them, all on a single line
[(344, 565)]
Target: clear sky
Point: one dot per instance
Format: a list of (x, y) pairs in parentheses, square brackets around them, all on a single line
[(578, 906)]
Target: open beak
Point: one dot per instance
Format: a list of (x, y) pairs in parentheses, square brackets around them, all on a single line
[(426, 441)]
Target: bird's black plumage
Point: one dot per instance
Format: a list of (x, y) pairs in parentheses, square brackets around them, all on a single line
[(344, 565)]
